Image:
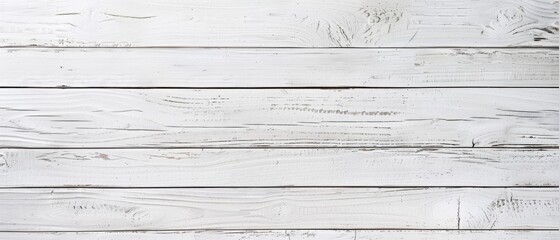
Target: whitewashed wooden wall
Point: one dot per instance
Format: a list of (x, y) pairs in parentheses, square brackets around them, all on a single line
[(268, 119)]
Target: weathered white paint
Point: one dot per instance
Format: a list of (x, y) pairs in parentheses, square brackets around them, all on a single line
[(277, 167), (200, 67), (278, 208), (128, 140), (288, 235), (92, 118), (292, 23)]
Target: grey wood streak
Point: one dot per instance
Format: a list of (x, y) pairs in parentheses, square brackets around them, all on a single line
[(100, 118), (289, 235), (277, 208), (252, 23), (199, 67), (278, 167)]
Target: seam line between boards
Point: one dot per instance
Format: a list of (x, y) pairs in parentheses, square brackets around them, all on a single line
[(294, 229), (265, 148), (276, 47), (64, 87), (294, 187)]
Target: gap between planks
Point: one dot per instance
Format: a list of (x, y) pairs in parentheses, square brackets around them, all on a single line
[(278, 47), (279, 88), (281, 147), (287, 187)]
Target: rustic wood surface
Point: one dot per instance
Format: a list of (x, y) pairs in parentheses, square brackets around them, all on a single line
[(293, 23), (279, 67), (278, 167), (295, 119), (289, 235), (278, 208), (89, 118)]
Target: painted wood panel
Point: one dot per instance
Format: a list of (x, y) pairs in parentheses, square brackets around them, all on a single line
[(277, 208), (293, 23), (98, 118), (288, 235), (280, 67), (277, 167)]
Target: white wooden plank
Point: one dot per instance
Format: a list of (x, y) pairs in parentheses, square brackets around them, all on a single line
[(100, 118), (278, 167), (201, 67), (277, 208), (294, 23), (289, 235)]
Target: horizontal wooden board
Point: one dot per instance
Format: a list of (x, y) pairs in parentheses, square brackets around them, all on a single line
[(280, 67), (99, 118), (294, 23), (277, 208), (278, 167), (289, 235)]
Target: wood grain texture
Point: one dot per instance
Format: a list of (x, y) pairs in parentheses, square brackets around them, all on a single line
[(277, 208), (199, 67), (293, 23), (278, 167), (289, 235), (97, 118)]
